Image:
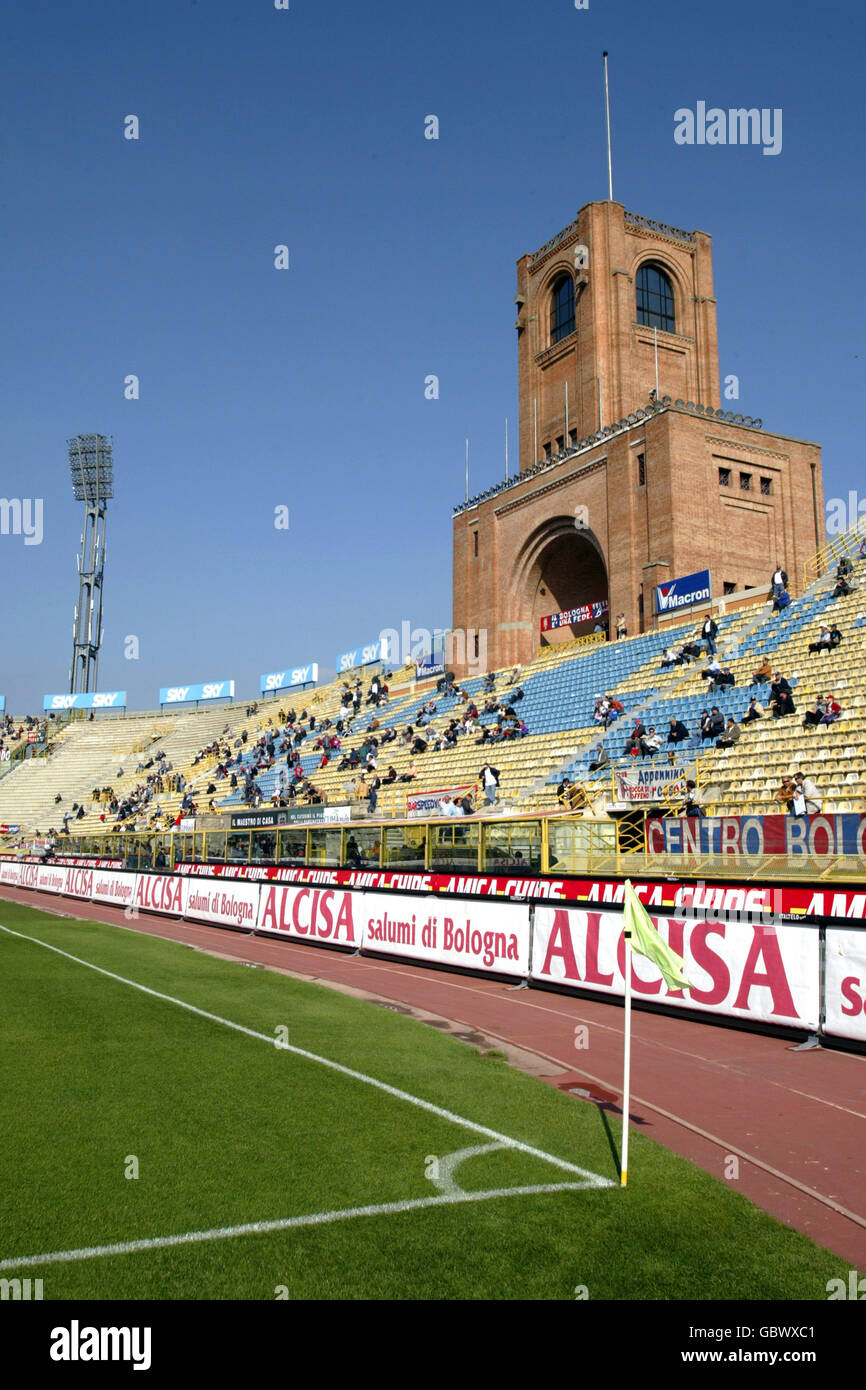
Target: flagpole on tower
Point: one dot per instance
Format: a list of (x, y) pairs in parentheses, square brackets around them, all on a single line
[(607, 116)]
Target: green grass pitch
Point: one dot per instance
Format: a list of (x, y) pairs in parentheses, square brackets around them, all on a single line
[(226, 1129)]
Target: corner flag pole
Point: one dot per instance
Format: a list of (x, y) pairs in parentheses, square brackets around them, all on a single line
[(626, 1066)]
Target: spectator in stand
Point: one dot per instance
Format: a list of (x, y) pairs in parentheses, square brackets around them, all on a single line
[(621, 628), (807, 799), (690, 650), (722, 678), (599, 713), (692, 803), (678, 732), (779, 581), (650, 743), (710, 632), (782, 701), (823, 641), (842, 588), (711, 670), (489, 778), (670, 658), (704, 726), (730, 736), (763, 673), (785, 794), (781, 601), (817, 713), (373, 792), (755, 711), (567, 794), (834, 710), (390, 775), (411, 773), (601, 758), (633, 744), (716, 724)]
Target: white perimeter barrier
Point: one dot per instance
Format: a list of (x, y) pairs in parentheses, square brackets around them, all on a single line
[(762, 971)]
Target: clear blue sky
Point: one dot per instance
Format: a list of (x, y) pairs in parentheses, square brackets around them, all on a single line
[(306, 387)]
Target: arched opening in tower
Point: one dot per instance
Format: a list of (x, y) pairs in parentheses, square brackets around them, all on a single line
[(568, 589)]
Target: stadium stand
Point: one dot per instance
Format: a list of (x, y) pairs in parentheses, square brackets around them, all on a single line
[(560, 688)]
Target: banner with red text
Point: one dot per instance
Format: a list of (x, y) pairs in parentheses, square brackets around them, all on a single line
[(845, 983), (226, 904), (741, 969), (470, 935)]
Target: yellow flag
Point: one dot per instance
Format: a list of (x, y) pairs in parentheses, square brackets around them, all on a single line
[(647, 942)]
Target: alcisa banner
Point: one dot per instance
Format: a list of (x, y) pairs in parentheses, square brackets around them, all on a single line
[(767, 971), (740, 969), (845, 983)]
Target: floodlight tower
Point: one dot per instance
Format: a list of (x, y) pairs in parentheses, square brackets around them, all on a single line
[(90, 464)]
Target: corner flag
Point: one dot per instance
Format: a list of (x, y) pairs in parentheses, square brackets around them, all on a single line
[(641, 936), (647, 942)]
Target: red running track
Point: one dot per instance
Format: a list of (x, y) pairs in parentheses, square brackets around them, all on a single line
[(795, 1120)]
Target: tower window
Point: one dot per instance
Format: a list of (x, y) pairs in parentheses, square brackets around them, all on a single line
[(641, 470), (655, 299), (746, 482), (562, 309), (766, 487), (560, 443), (475, 541), (730, 586), (547, 450), (572, 438), (724, 477)]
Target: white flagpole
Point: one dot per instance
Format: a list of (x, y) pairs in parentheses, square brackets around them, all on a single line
[(467, 470), (607, 118), (506, 448), (626, 1068)]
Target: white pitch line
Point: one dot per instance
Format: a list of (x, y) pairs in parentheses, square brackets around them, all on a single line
[(258, 1228), (591, 1179)]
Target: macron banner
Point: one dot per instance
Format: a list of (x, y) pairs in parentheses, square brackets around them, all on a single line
[(363, 656), (273, 681), (211, 690), (682, 593), (93, 699), (740, 969)]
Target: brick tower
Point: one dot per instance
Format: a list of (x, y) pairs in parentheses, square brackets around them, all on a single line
[(631, 473)]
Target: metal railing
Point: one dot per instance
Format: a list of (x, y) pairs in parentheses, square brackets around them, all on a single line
[(557, 846), (832, 551)]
